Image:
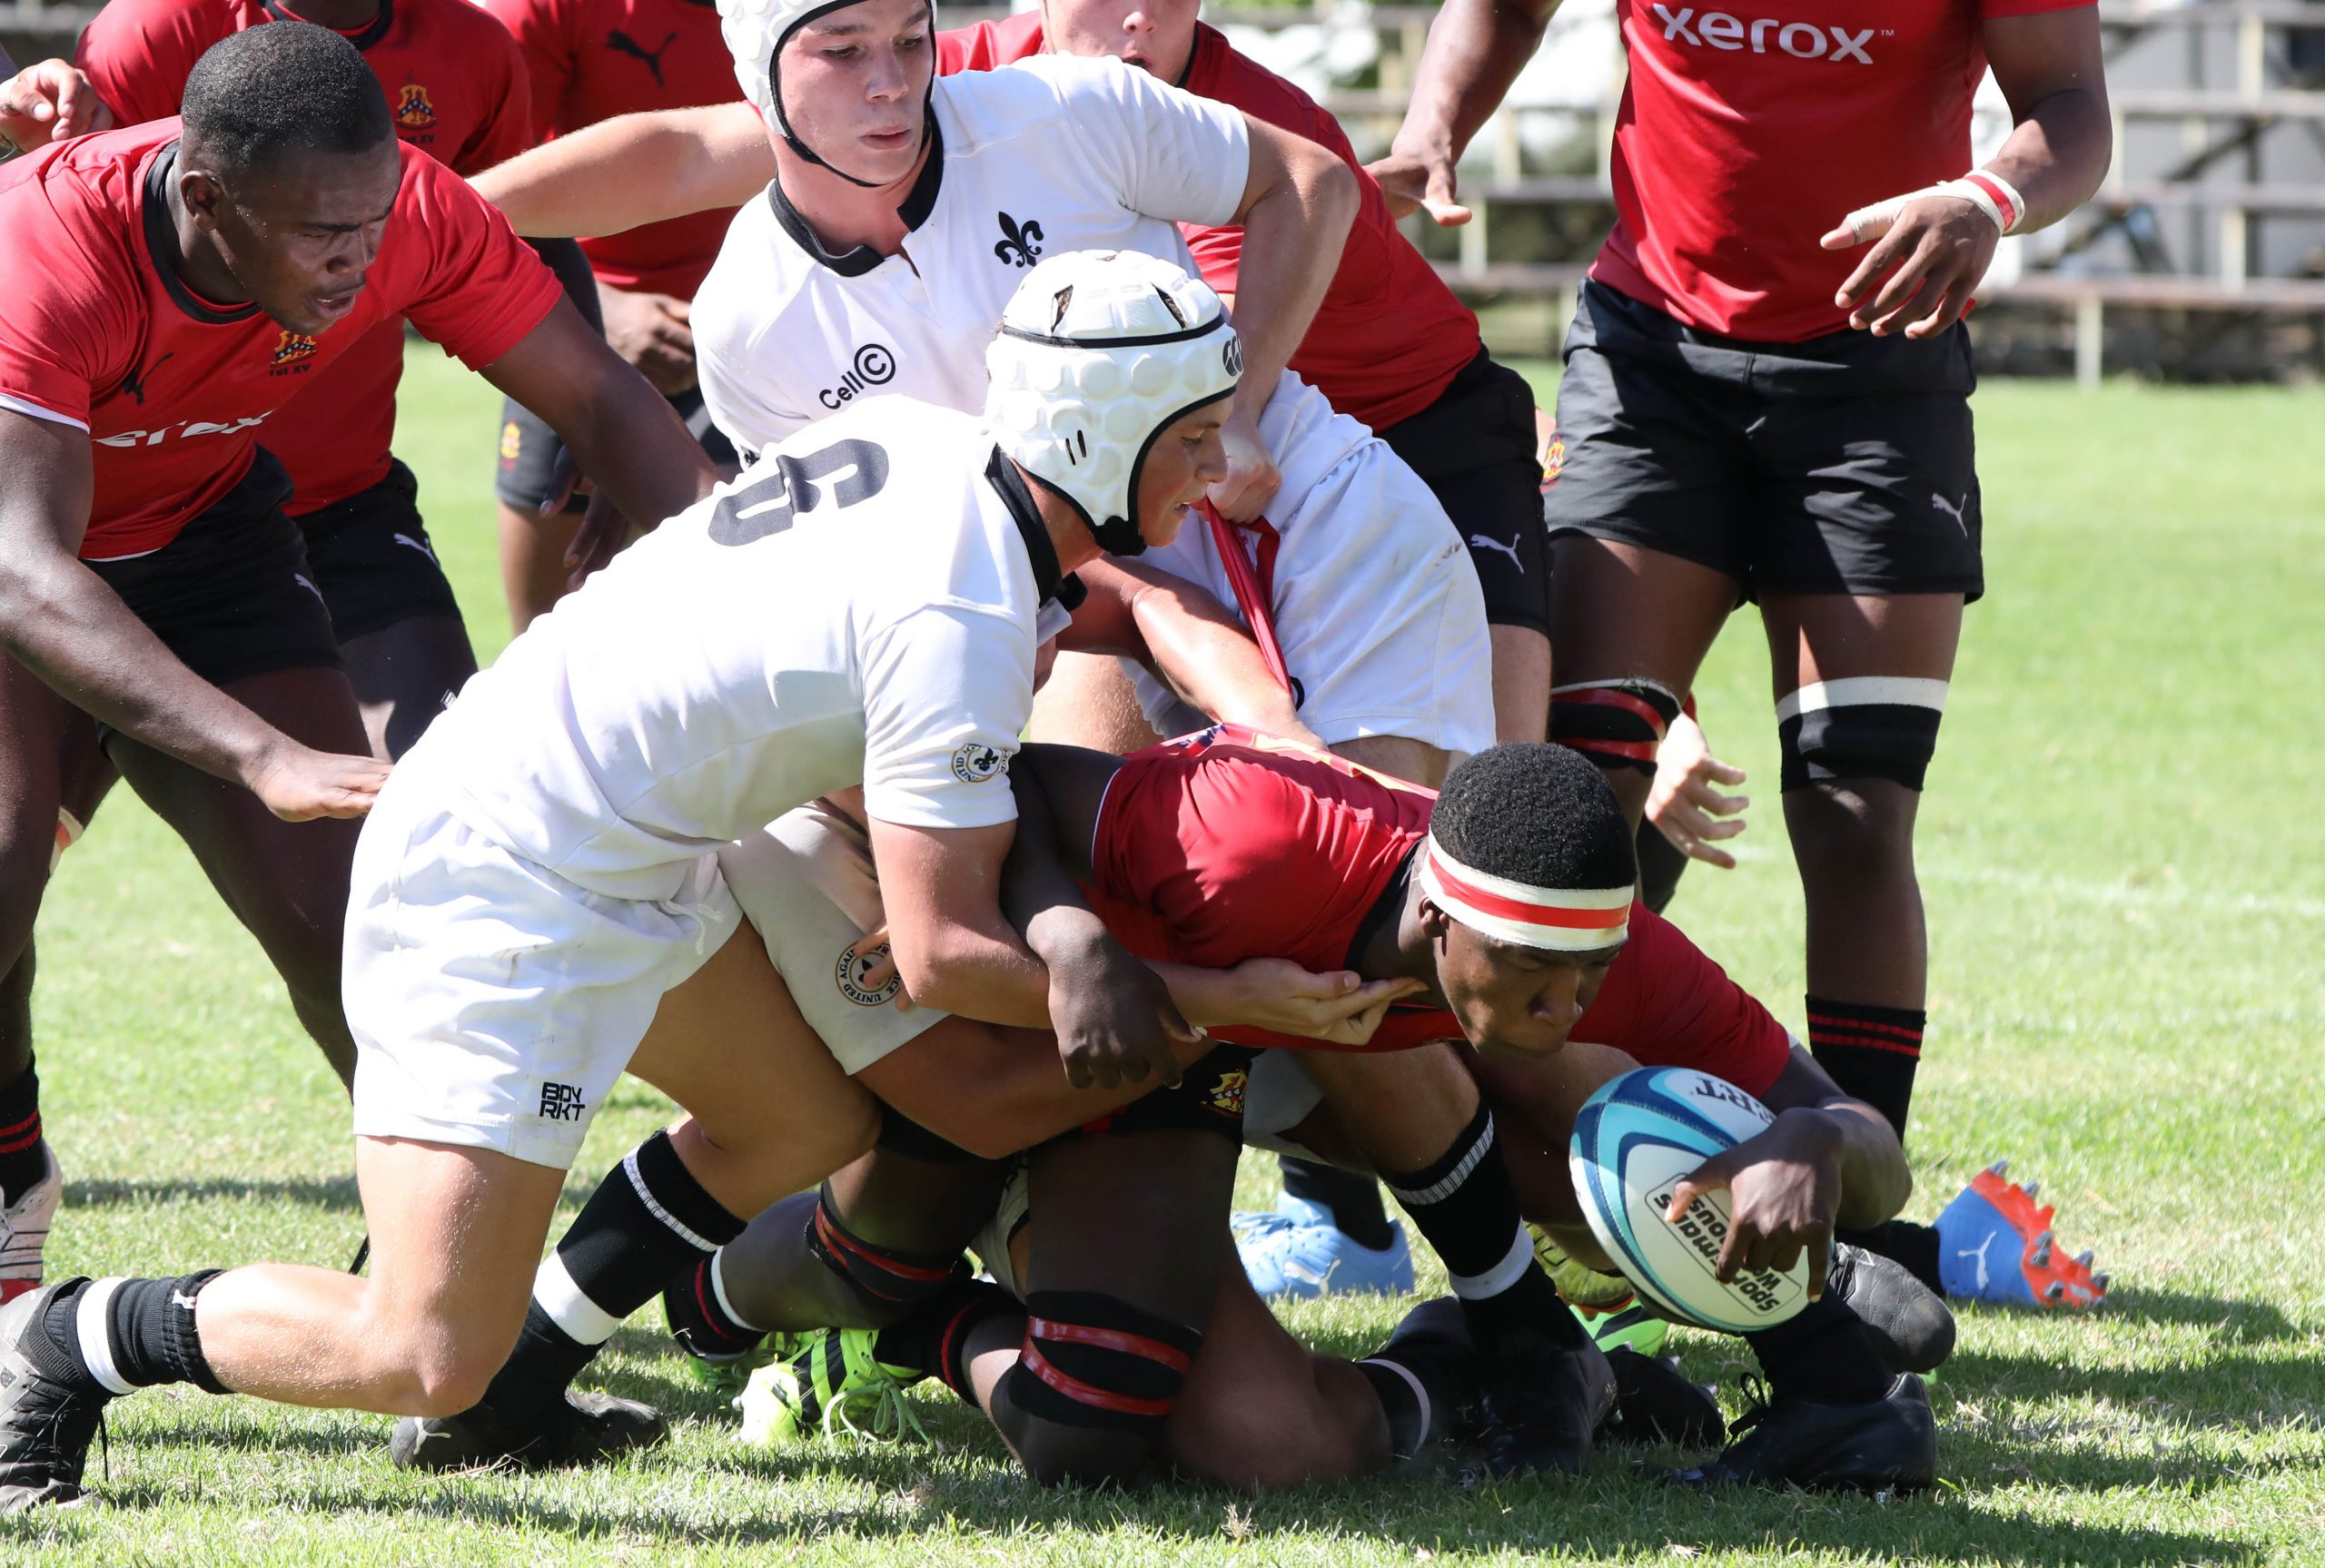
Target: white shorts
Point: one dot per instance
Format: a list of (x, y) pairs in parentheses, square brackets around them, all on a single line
[(991, 1244), (1278, 1096), (493, 1002), (806, 883), (1377, 606)]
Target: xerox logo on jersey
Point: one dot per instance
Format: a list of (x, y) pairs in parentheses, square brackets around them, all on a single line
[(183, 428), (291, 349), (1763, 34), (975, 762), (414, 110), (875, 365)]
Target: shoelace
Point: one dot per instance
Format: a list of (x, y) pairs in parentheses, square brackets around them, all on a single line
[(1760, 1403), (891, 1413)]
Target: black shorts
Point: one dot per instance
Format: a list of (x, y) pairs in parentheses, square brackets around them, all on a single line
[(529, 449), (1841, 464), (374, 561), (232, 596), (1474, 447), (1209, 1098)]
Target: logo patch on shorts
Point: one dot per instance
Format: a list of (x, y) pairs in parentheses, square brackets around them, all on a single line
[(513, 441), (976, 761), (1227, 1094), (561, 1103), (849, 972)]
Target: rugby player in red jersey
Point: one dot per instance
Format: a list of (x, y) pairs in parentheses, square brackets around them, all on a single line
[(1767, 396), (590, 60), (456, 88), (1216, 849), (199, 274)]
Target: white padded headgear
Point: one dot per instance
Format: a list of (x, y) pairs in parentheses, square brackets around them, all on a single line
[(1099, 353), (754, 31)]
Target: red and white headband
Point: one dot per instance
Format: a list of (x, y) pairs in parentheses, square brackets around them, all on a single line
[(1561, 919)]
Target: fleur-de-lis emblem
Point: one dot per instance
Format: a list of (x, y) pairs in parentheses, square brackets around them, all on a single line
[(1019, 245)]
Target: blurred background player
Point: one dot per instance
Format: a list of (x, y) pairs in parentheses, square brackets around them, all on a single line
[(590, 60), (150, 582), (1765, 398)]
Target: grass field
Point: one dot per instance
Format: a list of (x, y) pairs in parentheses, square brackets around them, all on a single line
[(2126, 879)]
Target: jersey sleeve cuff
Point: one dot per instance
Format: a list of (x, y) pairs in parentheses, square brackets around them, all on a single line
[(26, 405)]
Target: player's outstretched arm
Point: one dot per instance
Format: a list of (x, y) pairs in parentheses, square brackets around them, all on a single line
[(60, 621), (633, 170), (1827, 1161), (1476, 50), (1299, 200), (1931, 248), (622, 433)]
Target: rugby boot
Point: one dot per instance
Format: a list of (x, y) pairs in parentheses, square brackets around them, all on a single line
[(1297, 1254), (23, 1231), (1542, 1404), (836, 1387), (582, 1429), (1655, 1402), (49, 1409), (1432, 1346), (1996, 1244), (1609, 1311), (1887, 1444), (1910, 1324)]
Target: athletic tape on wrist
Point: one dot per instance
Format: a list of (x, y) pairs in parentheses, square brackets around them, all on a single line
[(1983, 189)]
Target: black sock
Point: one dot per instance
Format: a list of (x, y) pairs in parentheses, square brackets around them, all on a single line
[(1913, 1247), (1426, 1372), (701, 1317), (649, 1220), (1870, 1051), (1823, 1355), (1463, 1203), (130, 1334), (1352, 1200), (932, 1339), (24, 1158)]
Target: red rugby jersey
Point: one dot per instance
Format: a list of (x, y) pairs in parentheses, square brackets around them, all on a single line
[(174, 389), (456, 87), (593, 59), (1389, 335), (1750, 127), (1230, 845)]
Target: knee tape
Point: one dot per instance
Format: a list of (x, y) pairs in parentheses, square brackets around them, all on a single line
[(880, 1272), (1861, 726), (1093, 1360), (1615, 723)]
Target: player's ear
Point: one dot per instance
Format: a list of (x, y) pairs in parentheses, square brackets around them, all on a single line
[(1434, 922), (203, 195)]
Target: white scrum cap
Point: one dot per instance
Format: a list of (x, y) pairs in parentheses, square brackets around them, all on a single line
[(1099, 353)]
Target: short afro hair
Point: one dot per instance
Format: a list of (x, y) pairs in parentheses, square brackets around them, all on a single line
[(1543, 816), (270, 92)]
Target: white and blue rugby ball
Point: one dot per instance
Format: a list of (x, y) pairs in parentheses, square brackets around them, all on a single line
[(1633, 1141)]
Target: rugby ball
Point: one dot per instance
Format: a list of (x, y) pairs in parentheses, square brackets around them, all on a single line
[(1633, 1141)]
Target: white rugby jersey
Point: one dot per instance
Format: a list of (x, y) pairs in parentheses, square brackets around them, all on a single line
[(1052, 155), (860, 605)]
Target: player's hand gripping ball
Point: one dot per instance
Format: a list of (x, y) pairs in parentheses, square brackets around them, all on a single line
[(1634, 1141)]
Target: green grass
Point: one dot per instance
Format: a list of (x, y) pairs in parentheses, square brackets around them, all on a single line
[(2126, 880)]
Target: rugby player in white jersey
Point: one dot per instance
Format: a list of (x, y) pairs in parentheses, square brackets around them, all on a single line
[(861, 606), (903, 209)]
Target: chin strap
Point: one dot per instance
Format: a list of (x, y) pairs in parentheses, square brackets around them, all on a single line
[(791, 138), (1117, 536)]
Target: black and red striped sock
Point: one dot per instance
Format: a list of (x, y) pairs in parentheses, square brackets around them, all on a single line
[(932, 1339), (1870, 1051), (24, 1159), (701, 1318)]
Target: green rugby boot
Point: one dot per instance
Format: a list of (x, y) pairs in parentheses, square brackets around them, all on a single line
[(835, 1386)]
